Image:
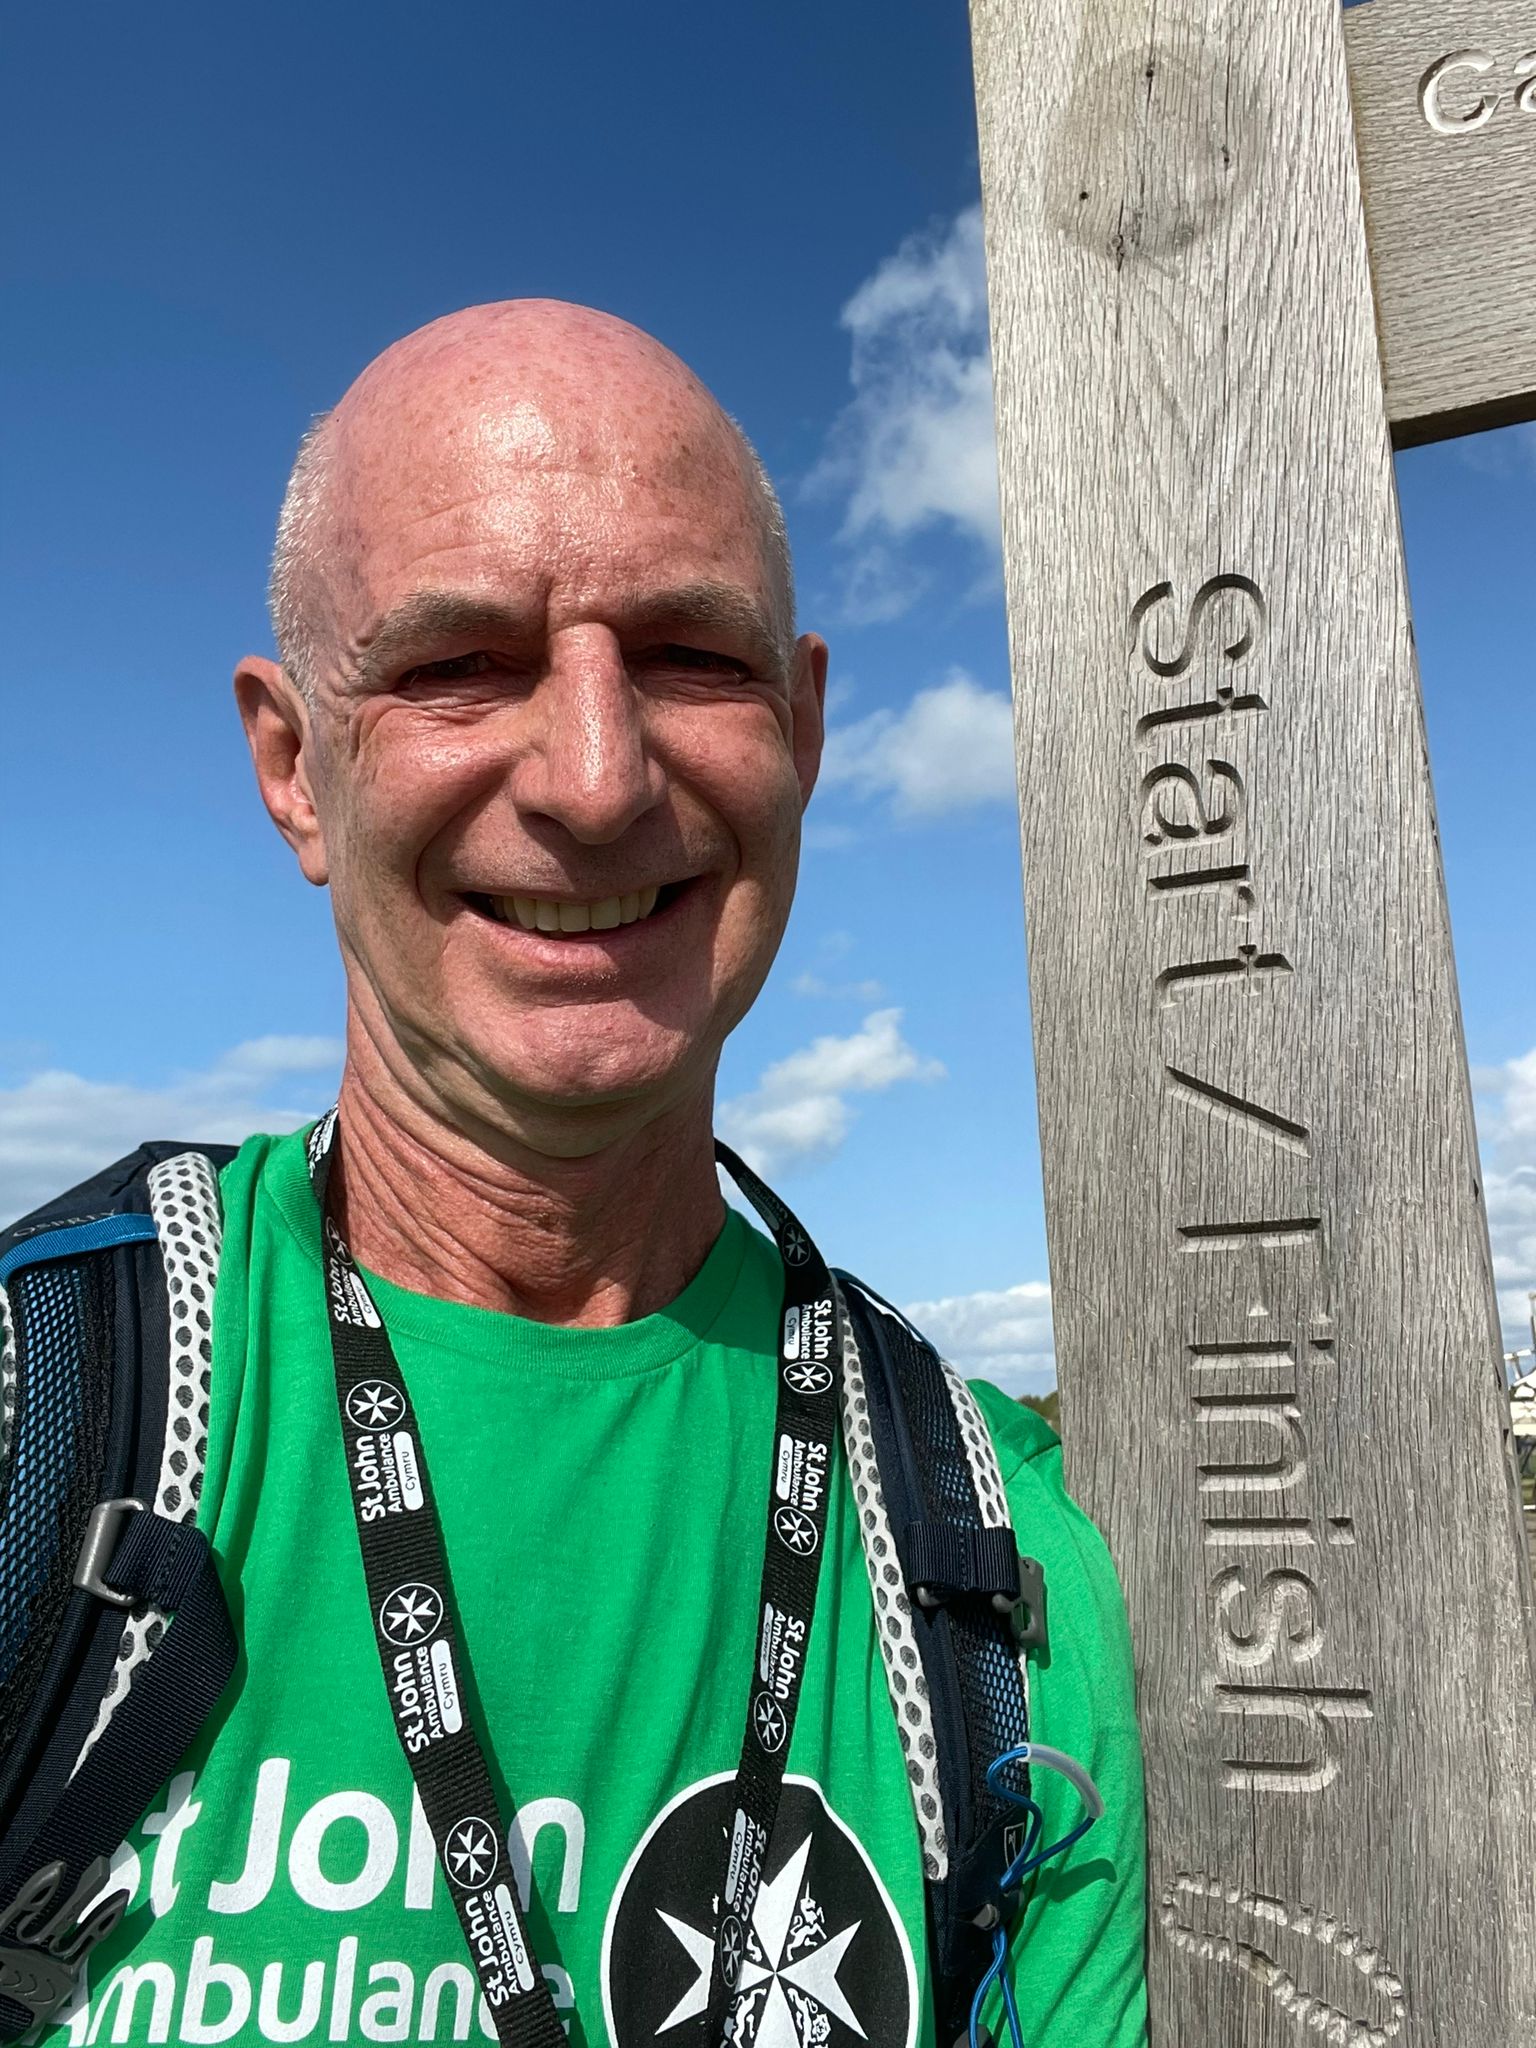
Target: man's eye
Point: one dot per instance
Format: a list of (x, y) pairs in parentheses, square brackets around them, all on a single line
[(701, 658), (457, 668)]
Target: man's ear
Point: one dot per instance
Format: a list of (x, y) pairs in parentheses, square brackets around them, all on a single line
[(277, 731), (808, 695)]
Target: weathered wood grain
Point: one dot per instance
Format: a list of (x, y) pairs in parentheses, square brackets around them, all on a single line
[(1445, 121), (1280, 1366)]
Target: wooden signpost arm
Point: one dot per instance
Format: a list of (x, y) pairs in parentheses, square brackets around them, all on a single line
[(1279, 1358), (1444, 95)]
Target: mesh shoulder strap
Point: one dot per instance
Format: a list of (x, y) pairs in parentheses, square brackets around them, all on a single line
[(953, 1606), (114, 1636)]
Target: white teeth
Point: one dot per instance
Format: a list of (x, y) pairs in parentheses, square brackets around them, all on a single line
[(545, 914)]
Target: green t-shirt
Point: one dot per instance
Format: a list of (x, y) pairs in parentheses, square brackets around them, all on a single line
[(603, 1498)]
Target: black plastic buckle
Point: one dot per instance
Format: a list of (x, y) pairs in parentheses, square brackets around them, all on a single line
[(43, 1942), (945, 1564), (1027, 1608), (103, 1533), (37, 1982)]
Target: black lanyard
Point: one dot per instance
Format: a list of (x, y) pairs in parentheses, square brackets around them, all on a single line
[(418, 1643)]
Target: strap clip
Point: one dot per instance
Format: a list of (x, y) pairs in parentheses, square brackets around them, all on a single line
[(1028, 1607), (37, 1982), (948, 1563), (103, 1533), (45, 1936), (945, 1563)]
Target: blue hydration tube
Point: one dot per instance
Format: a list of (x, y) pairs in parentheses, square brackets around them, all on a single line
[(1029, 1858)]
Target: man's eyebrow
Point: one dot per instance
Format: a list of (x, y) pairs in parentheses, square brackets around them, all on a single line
[(430, 616), (706, 608), (427, 617)]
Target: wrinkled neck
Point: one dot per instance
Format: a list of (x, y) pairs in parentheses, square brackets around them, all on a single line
[(585, 1242)]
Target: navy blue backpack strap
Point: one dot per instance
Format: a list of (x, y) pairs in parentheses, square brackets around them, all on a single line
[(115, 1640), (958, 1611)]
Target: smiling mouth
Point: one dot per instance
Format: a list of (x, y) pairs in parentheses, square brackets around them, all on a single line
[(555, 917)]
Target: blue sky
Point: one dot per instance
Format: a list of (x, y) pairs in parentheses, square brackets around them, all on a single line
[(217, 219)]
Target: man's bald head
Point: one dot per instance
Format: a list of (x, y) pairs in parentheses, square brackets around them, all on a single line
[(530, 377)]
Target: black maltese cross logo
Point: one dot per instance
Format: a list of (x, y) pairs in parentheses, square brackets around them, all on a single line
[(796, 1245), (470, 1852), (795, 1530), (411, 1614), (768, 1719), (823, 1961), (808, 1379), (732, 1944), (375, 1405)]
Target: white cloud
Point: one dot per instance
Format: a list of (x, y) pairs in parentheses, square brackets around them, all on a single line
[(818, 837), (1003, 1336), (916, 446), (1507, 1128), (809, 984), (799, 1109), (951, 748), (58, 1127)]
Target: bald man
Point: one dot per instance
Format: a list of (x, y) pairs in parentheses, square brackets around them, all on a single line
[(541, 723)]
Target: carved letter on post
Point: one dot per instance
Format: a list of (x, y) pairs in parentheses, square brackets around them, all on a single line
[(1274, 1312)]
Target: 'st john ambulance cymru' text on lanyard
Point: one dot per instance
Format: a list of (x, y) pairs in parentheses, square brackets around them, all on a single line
[(417, 1639)]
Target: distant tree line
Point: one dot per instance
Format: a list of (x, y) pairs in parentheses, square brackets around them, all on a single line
[(1047, 1405)]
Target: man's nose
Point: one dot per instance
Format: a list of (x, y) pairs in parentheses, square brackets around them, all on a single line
[(590, 769)]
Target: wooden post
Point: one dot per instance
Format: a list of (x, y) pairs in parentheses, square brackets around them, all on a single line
[(1280, 1362)]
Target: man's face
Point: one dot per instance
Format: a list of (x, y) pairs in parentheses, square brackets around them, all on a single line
[(557, 698)]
